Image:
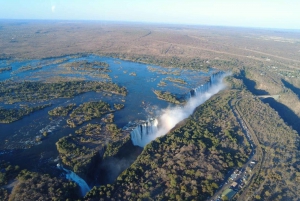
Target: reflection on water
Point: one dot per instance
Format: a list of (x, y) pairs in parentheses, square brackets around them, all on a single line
[(18, 139)]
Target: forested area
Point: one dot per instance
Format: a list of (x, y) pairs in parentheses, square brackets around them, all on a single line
[(36, 186), (90, 144), (188, 163), (278, 178), (62, 111), (5, 69), (167, 96), (14, 114), (12, 92), (193, 159), (86, 65), (88, 111)]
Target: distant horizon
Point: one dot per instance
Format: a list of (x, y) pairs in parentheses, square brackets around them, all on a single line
[(274, 14), (153, 23)]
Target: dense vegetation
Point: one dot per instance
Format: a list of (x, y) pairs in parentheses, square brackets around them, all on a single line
[(163, 71), (278, 178), (270, 56), (82, 150), (34, 186), (176, 80), (62, 111), (86, 65), (12, 92), (8, 172), (188, 163), (91, 68), (5, 69), (167, 96), (11, 115), (88, 111), (180, 62), (118, 106), (26, 68)]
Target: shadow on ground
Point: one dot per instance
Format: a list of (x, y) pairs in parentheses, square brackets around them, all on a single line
[(291, 87), (285, 113), (250, 84)]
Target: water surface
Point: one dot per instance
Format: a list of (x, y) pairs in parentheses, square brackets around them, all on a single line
[(17, 139)]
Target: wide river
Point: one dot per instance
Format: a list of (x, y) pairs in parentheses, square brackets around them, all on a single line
[(17, 139)]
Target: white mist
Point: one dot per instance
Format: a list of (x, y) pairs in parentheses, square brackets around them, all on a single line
[(145, 133)]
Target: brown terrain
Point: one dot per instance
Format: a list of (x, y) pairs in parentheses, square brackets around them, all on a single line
[(263, 62), (274, 54), (40, 39)]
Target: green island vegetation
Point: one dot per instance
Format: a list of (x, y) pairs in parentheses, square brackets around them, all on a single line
[(5, 69), (162, 84), (188, 163), (83, 150), (101, 75), (12, 92), (116, 147), (38, 65), (11, 115), (173, 61), (193, 159), (176, 80), (62, 111), (26, 68), (59, 60), (95, 68), (109, 118), (88, 111), (36, 186), (79, 152), (118, 106), (168, 96), (163, 71), (99, 66)]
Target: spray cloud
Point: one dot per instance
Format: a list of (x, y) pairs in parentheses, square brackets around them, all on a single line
[(153, 128)]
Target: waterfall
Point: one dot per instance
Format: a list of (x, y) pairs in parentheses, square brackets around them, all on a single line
[(153, 128), (74, 177), (142, 132), (214, 79)]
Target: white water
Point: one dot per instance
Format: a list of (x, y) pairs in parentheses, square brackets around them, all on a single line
[(74, 177), (153, 128)]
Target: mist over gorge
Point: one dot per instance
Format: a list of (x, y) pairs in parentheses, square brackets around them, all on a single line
[(72, 102), (169, 117)]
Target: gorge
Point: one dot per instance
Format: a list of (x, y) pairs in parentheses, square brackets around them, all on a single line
[(169, 117)]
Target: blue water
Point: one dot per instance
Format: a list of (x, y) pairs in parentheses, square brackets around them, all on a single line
[(17, 139)]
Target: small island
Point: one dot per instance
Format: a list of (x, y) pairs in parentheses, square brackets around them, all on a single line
[(5, 69), (11, 115), (62, 111), (167, 96)]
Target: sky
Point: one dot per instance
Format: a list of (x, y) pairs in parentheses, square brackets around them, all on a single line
[(283, 14)]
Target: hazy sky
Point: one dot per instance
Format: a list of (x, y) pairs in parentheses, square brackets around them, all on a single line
[(249, 13)]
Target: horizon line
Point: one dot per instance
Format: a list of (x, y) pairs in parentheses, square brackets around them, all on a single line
[(155, 23)]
